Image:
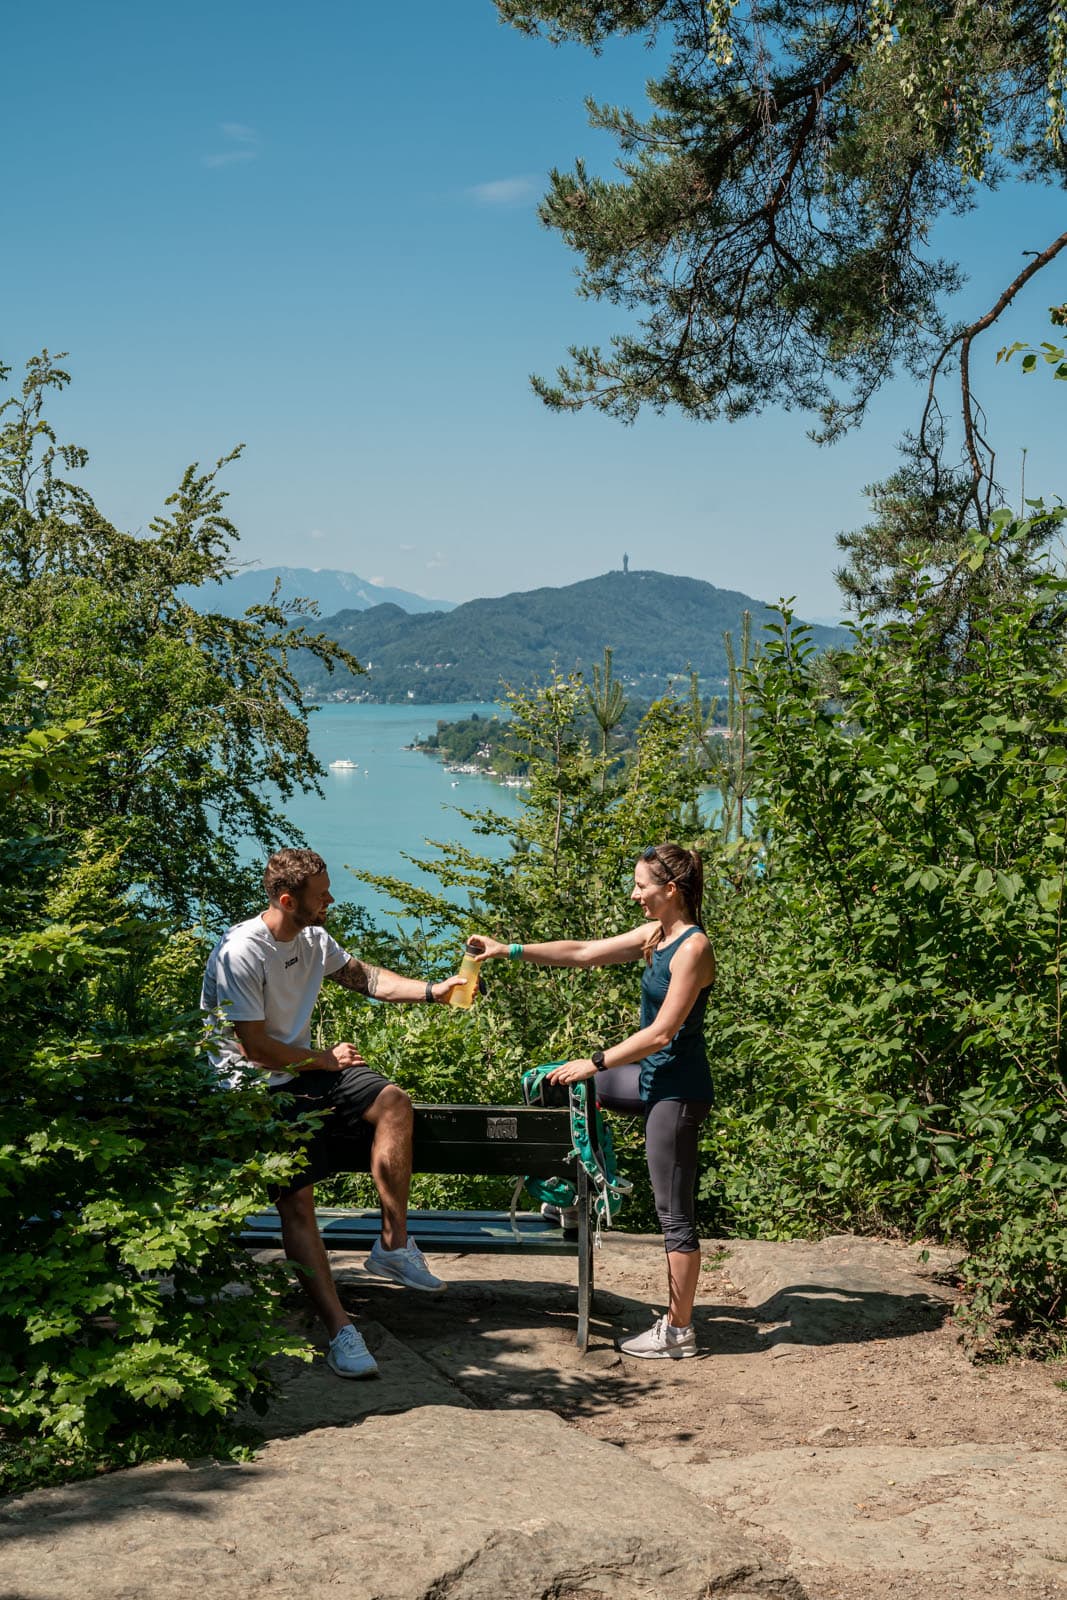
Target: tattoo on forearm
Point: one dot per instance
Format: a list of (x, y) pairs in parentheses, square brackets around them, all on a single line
[(360, 977)]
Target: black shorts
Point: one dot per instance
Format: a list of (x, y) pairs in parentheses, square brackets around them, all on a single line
[(343, 1142)]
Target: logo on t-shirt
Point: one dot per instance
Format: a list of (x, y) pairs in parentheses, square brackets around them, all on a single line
[(291, 962)]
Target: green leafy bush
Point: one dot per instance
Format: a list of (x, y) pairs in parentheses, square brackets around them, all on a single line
[(889, 1018), (130, 1320)]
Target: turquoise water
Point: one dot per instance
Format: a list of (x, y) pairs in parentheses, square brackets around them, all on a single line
[(393, 800)]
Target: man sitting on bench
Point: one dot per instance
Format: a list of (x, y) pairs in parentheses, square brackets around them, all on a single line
[(261, 983)]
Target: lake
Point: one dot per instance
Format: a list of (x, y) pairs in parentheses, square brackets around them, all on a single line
[(393, 799)]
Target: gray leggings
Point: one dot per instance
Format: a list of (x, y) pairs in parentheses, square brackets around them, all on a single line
[(672, 1130)]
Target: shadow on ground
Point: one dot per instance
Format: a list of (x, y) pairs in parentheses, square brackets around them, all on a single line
[(188, 1489), (817, 1314)]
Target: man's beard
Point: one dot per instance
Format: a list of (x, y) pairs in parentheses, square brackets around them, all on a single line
[(305, 918)]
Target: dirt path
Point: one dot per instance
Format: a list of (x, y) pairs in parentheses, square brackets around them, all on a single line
[(833, 1442)]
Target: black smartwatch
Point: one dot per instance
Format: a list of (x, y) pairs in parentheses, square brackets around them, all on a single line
[(597, 1058)]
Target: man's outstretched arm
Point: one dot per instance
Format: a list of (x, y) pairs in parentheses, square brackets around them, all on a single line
[(378, 983)]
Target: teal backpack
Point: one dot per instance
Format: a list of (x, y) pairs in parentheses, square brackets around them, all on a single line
[(594, 1149)]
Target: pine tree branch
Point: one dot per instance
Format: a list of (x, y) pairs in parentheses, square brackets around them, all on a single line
[(964, 338)]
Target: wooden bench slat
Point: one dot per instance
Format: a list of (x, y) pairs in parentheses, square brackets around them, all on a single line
[(492, 1161), (428, 1222), (437, 1232)]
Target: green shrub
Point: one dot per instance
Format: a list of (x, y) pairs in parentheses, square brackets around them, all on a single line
[(889, 1018), (130, 1320)]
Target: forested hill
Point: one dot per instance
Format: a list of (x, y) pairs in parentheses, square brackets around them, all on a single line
[(657, 625)]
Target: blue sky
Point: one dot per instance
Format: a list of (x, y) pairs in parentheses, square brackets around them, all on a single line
[(313, 230)]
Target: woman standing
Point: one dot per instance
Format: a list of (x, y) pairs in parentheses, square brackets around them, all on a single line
[(661, 1071)]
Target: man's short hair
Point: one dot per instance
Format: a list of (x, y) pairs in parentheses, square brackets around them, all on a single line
[(288, 871)]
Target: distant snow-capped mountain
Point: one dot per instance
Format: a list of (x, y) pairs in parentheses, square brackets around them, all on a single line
[(334, 591)]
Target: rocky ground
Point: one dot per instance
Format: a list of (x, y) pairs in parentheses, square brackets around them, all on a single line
[(832, 1442)]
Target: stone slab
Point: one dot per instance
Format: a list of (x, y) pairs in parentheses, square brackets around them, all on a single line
[(981, 1515), (437, 1504)]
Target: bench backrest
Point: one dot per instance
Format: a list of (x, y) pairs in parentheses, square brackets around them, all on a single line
[(509, 1141)]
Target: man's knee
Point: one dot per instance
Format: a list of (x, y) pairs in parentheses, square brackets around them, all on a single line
[(393, 1108), (298, 1205)]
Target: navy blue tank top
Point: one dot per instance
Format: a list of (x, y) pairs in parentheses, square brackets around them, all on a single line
[(680, 1070)]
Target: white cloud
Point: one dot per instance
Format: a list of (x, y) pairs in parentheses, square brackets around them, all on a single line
[(242, 144), (316, 533), (379, 583), (439, 559), (505, 191), (227, 158)]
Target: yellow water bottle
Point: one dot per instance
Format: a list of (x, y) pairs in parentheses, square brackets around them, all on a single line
[(463, 995)]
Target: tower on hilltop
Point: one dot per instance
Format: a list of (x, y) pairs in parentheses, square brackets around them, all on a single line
[(625, 562)]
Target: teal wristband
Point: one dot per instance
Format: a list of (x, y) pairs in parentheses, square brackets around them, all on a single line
[(514, 952)]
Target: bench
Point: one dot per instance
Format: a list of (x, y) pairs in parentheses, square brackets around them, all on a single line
[(476, 1141)]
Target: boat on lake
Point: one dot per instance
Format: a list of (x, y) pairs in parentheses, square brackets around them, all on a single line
[(344, 763)]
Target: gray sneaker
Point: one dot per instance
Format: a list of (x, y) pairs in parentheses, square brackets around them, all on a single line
[(406, 1265), (349, 1357), (661, 1343)]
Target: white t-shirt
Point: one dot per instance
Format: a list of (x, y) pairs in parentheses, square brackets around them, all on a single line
[(253, 977)]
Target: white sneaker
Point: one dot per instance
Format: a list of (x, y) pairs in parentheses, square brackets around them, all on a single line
[(406, 1265), (565, 1216), (349, 1357), (661, 1343)]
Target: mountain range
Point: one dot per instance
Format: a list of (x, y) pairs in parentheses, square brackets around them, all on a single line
[(659, 626), (331, 590)]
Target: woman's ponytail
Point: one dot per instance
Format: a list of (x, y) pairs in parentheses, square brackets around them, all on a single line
[(696, 895)]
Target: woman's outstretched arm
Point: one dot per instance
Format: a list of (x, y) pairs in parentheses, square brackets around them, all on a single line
[(569, 952)]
